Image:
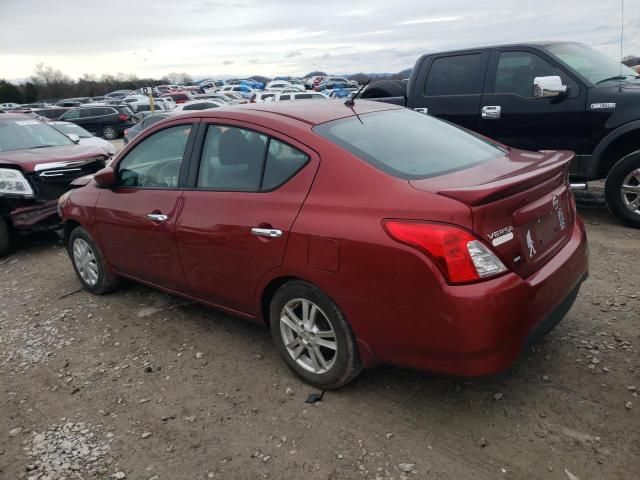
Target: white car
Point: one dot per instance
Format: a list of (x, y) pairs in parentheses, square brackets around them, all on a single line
[(168, 102), (284, 96), (72, 131), (260, 97), (200, 105), (9, 106), (279, 85)]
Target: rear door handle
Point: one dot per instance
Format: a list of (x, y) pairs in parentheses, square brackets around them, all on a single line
[(491, 112), (266, 232), (157, 217)]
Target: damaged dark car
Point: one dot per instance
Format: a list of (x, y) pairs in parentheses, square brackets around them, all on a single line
[(37, 165)]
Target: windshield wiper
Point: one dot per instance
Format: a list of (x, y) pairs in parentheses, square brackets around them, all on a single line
[(617, 77)]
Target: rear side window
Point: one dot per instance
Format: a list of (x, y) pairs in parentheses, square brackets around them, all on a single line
[(285, 97), (457, 75), (235, 159), (407, 144)]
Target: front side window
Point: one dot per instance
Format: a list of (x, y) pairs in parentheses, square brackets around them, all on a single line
[(517, 70), (235, 159), (156, 161), (457, 75), (407, 144), (72, 115)]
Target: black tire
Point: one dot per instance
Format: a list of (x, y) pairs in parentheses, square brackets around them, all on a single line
[(613, 189), (5, 237), (109, 132), (346, 364), (385, 88), (105, 281)]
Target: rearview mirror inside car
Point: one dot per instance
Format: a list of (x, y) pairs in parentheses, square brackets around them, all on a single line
[(548, 87), (105, 178)]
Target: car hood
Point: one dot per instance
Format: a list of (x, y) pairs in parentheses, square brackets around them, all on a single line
[(99, 142), (27, 160)]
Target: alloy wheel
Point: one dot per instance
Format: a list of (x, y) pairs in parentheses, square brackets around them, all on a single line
[(630, 191), (110, 133), (308, 336), (85, 261)]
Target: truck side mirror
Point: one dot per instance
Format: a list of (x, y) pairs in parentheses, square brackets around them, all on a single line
[(548, 87)]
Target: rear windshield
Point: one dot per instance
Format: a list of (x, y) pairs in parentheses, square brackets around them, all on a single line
[(22, 134), (407, 144)]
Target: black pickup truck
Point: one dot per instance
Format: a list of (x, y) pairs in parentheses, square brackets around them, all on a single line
[(542, 96)]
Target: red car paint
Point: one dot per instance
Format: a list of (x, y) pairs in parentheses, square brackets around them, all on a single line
[(397, 300)]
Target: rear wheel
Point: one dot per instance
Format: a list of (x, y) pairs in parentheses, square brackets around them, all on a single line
[(313, 336), (109, 132), (5, 237), (89, 264), (622, 189)]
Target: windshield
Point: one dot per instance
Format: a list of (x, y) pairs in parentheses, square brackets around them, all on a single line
[(72, 128), (407, 144), (590, 63), (19, 134)]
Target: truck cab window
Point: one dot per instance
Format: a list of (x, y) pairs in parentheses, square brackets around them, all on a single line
[(457, 75), (517, 70)]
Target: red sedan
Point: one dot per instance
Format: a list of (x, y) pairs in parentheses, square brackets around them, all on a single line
[(361, 236)]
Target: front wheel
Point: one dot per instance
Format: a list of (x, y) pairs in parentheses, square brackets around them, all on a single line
[(88, 263), (109, 132), (313, 336), (622, 189)]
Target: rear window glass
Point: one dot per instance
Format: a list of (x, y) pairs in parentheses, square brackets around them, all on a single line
[(457, 75), (407, 144)]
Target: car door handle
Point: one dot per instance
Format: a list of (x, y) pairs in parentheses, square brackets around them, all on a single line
[(491, 112), (266, 232), (157, 217)]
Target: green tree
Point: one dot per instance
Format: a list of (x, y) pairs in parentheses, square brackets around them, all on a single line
[(30, 92), (9, 93)]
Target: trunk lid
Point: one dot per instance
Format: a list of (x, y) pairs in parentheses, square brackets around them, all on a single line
[(521, 204)]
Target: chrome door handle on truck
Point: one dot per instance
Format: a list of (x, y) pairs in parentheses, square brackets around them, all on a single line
[(491, 112)]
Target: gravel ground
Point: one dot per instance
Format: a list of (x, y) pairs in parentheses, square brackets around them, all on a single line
[(141, 385)]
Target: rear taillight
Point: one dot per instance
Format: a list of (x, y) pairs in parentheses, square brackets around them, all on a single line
[(461, 257), (123, 117)]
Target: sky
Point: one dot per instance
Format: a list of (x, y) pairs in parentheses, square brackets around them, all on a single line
[(221, 38)]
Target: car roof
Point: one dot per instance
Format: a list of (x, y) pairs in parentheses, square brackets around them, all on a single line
[(504, 45), (301, 109)]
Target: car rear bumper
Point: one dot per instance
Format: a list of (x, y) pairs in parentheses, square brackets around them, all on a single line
[(482, 328)]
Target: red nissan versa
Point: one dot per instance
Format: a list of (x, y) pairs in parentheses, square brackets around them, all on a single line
[(363, 235)]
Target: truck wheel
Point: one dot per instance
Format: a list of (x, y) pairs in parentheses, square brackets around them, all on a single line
[(385, 88), (622, 189), (5, 237)]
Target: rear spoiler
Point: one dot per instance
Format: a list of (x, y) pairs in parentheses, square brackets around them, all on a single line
[(556, 163)]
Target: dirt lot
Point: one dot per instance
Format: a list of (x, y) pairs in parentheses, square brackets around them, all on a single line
[(140, 385)]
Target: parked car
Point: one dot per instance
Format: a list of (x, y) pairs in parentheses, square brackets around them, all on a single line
[(37, 164), (131, 133), (243, 90), (9, 106), (213, 96), (279, 85), (35, 105), (143, 109), (178, 97), (200, 105), (265, 96), (328, 85), (235, 97), (83, 137), (52, 113), (539, 96), (325, 221), (283, 96), (168, 102), (108, 122), (118, 94), (70, 102)]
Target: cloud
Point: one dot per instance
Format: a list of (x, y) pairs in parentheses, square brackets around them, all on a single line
[(286, 37)]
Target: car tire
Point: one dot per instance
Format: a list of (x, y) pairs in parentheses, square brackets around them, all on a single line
[(88, 263), (385, 88), (622, 189), (5, 237), (109, 132), (320, 348)]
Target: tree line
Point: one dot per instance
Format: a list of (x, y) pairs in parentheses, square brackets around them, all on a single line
[(48, 84)]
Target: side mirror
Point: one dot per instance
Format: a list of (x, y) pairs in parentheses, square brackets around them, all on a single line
[(105, 178), (548, 87), (73, 137)]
